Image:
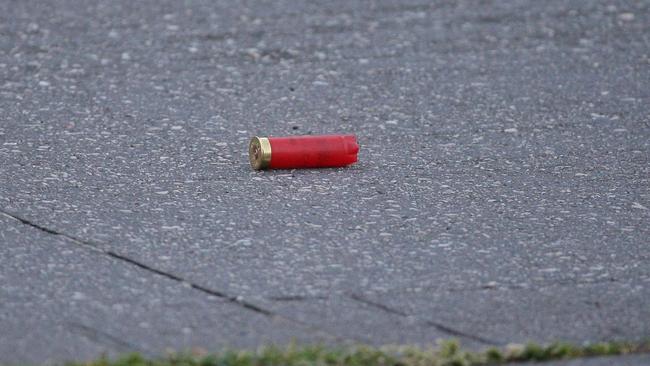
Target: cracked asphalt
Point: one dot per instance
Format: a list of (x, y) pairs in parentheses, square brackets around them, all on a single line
[(501, 193)]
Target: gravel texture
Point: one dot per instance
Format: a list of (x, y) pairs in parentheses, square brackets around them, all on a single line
[(501, 193)]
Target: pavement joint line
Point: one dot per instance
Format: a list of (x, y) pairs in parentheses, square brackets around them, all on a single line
[(441, 327), (205, 290)]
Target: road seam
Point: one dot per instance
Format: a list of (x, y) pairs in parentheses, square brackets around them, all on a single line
[(441, 327)]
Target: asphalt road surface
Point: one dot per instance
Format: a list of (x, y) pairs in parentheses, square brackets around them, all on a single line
[(501, 194)]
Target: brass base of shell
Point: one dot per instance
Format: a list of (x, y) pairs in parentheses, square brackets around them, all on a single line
[(259, 152)]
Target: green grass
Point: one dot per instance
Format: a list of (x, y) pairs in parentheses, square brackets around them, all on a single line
[(448, 353)]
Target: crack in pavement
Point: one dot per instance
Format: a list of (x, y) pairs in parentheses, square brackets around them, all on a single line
[(441, 327), (236, 300), (500, 287), (297, 298), (102, 338), (508, 287), (478, 288)]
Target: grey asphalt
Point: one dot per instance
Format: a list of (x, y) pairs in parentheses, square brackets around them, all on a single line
[(501, 193), (629, 360)]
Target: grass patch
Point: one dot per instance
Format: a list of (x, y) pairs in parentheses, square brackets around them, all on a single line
[(448, 353)]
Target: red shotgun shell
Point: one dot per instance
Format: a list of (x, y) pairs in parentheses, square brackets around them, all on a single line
[(294, 152)]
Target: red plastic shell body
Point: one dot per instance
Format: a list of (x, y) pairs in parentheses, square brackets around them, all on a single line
[(326, 151)]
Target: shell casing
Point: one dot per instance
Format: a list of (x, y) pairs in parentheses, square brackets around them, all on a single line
[(295, 152)]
